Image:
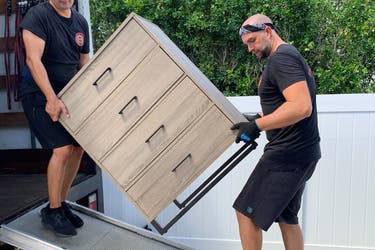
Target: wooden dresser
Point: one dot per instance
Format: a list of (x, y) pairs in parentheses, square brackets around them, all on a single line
[(147, 115)]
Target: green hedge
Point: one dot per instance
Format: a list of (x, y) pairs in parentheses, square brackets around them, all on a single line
[(336, 37)]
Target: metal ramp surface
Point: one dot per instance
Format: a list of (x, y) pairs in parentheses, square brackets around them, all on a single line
[(99, 232)]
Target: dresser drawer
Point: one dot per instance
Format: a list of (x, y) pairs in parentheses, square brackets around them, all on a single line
[(147, 116), (180, 107), (105, 72), (176, 168), (128, 103)]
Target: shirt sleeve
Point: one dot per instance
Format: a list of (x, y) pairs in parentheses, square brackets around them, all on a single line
[(33, 22), (285, 70)]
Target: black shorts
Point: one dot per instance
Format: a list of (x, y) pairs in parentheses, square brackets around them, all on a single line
[(273, 192), (50, 134)]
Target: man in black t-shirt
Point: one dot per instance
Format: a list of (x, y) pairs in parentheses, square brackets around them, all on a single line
[(287, 94), (56, 39)]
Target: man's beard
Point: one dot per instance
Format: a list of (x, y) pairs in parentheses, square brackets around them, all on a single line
[(265, 52)]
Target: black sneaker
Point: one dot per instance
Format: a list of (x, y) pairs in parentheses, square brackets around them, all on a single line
[(73, 218), (56, 220)]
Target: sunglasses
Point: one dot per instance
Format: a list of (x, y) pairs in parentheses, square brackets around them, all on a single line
[(254, 27)]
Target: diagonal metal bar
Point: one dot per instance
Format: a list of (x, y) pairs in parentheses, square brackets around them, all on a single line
[(206, 186)]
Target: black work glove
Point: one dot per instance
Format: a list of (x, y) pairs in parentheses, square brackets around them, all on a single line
[(247, 131), (251, 117)]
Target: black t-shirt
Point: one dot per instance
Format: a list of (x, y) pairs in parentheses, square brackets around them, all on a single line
[(65, 39), (299, 141)]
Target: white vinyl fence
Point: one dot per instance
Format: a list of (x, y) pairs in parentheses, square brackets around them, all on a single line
[(339, 204)]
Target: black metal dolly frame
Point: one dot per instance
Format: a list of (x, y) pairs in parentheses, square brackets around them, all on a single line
[(206, 186)]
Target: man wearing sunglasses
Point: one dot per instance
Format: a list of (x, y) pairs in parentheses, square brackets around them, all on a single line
[(287, 94)]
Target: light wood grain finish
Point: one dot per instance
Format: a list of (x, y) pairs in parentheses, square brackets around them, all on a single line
[(122, 55), (176, 112), (182, 163), (193, 71), (135, 95), (153, 122)]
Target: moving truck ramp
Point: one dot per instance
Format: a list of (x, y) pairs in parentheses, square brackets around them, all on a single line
[(99, 232)]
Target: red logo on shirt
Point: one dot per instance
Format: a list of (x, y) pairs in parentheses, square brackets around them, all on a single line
[(80, 39)]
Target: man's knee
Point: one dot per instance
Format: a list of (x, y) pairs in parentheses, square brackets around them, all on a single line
[(63, 153), (244, 220), (285, 227)]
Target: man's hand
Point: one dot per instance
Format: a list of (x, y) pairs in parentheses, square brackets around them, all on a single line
[(252, 117), (54, 109), (247, 131)]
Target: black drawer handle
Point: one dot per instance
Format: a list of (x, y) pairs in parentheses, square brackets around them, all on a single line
[(179, 164), (122, 110), (105, 71), (148, 139)]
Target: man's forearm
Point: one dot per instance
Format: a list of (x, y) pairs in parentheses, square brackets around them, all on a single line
[(287, 114), (40, 77)]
